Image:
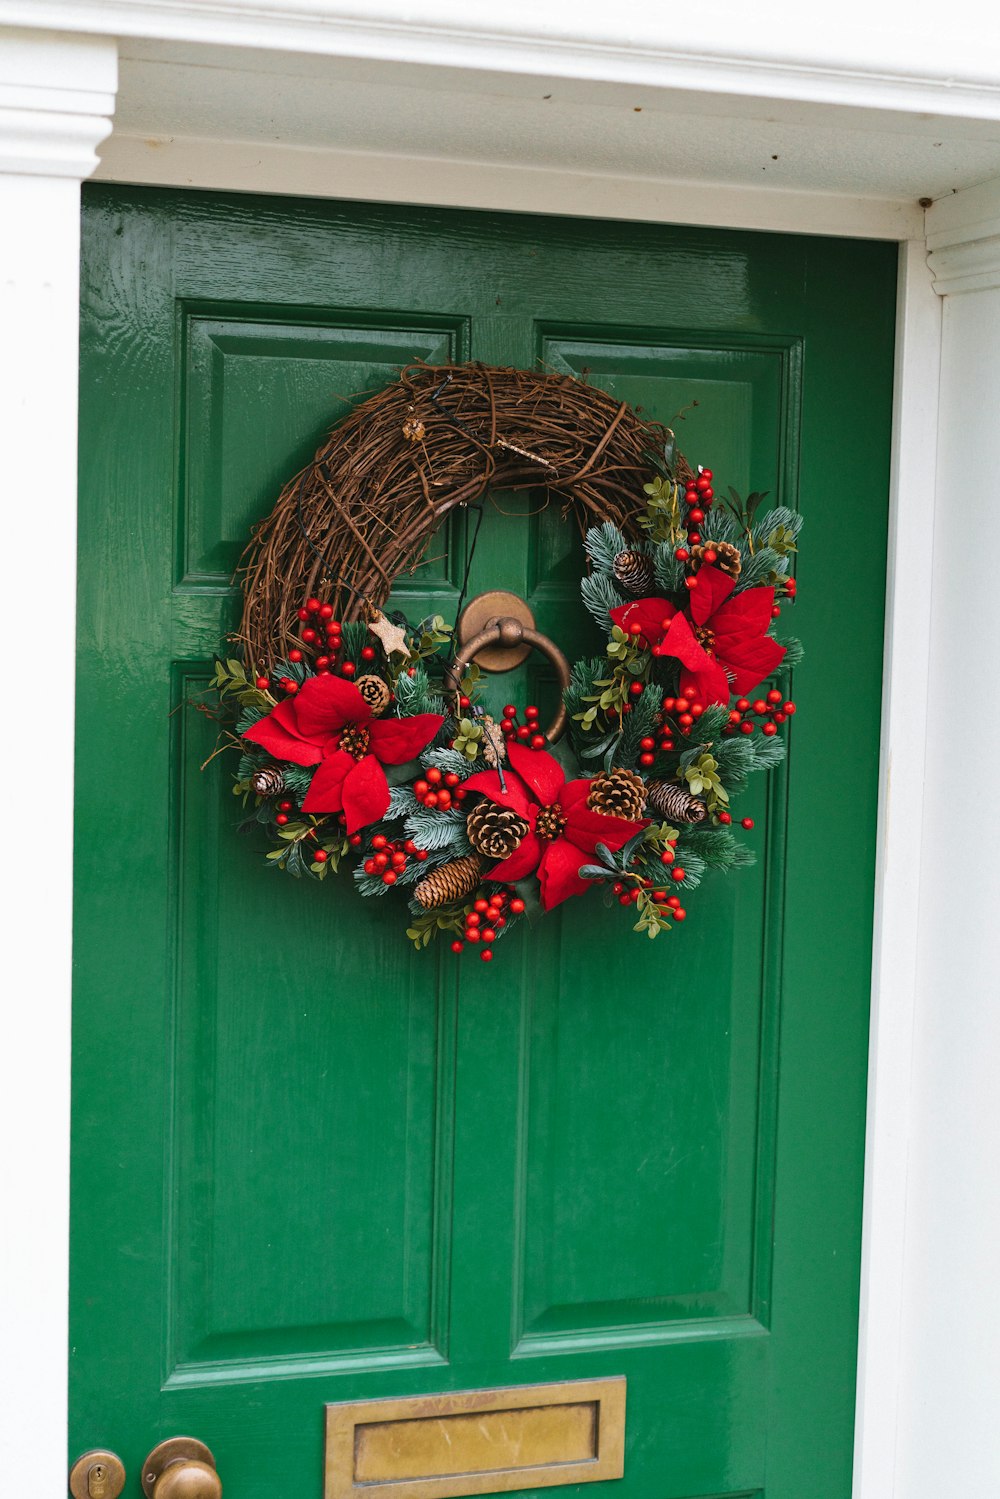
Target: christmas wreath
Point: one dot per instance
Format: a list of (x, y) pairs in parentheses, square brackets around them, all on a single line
[(362, 740)]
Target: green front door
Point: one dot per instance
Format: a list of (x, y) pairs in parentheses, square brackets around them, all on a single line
[(312, 1166)]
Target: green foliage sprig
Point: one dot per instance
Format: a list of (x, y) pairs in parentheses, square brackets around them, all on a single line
[(231, 682), (664, 519), (293, 853)]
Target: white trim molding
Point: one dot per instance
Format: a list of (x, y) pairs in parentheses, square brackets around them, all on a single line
[(963, 240), (56, 98), (381, 177), (948, 1438), (898, 871)]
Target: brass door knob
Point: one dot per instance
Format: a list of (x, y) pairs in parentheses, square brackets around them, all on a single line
[(181, 1468)]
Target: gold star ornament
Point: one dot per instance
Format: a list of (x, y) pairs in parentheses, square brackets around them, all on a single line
[(393, 637)]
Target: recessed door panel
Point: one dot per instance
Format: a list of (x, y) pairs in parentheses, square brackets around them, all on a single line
[(256, 398), (640, 1182), (287, 1241)]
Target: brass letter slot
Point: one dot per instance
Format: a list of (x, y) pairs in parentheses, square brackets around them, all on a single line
[(476, 1441)]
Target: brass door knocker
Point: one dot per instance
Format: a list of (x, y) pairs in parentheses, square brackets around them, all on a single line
[(507, 638)]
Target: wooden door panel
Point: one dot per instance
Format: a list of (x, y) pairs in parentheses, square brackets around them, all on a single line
[(313, 1166), (257, 395), (643, 1191), (639, 1183), (738, 395), (286, 1241), (285, 1245)]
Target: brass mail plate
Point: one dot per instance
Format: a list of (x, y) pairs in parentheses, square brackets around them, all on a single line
[(477, 1441)]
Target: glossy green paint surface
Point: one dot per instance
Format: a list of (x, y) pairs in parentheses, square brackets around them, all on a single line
[(312, 1166)]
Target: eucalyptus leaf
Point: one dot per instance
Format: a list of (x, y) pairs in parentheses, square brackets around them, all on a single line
[(628, 851), (593, 750)]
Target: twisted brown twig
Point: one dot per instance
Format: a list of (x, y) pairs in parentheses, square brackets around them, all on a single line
[(438, 437)]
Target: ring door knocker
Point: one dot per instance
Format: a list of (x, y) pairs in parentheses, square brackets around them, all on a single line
[(509, 634)]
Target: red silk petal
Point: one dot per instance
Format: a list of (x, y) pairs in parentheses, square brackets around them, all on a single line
[(517, 796), (709, 593), (751, 661), (586, 829), (574, 792), (746, 613), (523, 861), (366, 794), (278, 733), (397, 740), (648, 613), (708, 685), (559, 873), (679, 641), (323, 705), (325, 792), (539, 770)]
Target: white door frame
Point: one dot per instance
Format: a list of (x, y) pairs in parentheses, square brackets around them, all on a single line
[(56, 99)]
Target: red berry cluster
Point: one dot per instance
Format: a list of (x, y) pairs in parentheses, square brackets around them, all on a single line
[(698, 497), (440, 789), (526, 733), (323, 639), (772, 708), (322, 633), (485, 917), (668, 904), (281, 816), (390, 859), (787, 588), (685, 713), (726, 818)]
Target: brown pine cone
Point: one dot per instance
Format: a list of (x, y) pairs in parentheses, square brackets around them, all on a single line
[(268, 782), (727, 557), (675, 802), (618, 793), (449, 882), (375, 693), (495, 832), (634, 572)]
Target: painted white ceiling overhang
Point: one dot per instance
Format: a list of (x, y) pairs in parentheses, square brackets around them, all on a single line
[(881, 104)]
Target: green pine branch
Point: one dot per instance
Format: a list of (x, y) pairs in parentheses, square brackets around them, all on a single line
[(600, 595), (602, 544)]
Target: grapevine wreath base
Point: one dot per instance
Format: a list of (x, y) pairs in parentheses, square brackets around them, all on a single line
[(360, 737)]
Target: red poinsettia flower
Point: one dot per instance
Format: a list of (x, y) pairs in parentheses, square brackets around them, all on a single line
[(328, 724), (562, 828), (723, 647)]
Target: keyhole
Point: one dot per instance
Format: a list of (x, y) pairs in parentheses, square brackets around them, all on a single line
[(97, 1481)]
